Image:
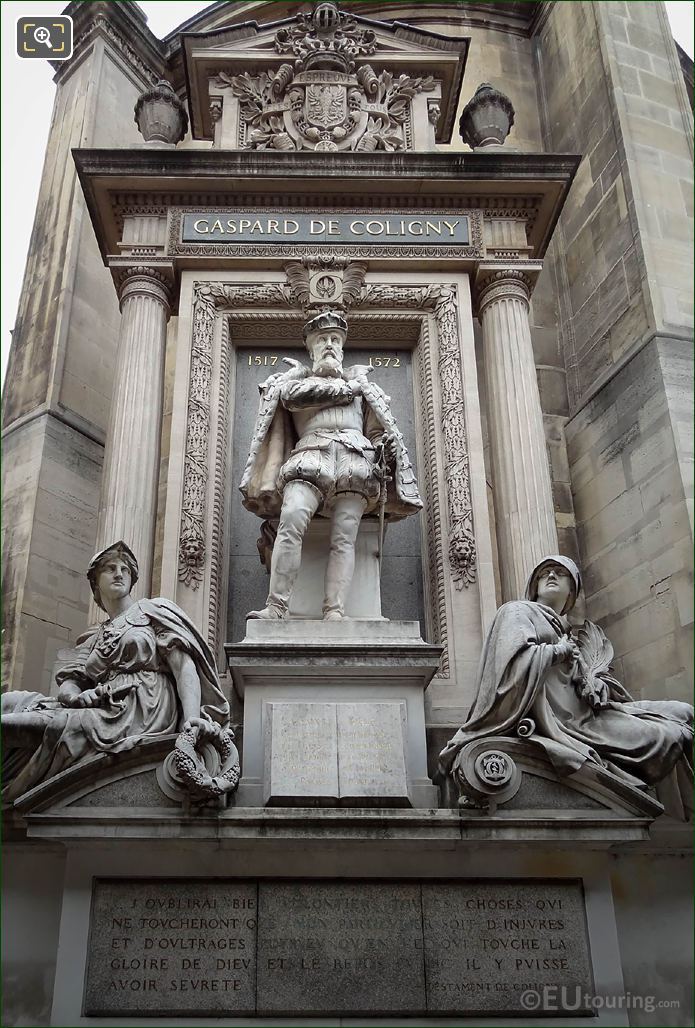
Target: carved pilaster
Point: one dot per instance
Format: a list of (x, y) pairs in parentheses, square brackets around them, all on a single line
[(128, 501), (524, 511)]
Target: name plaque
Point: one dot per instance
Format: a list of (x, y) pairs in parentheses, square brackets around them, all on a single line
[(233, 947), (400, 228)]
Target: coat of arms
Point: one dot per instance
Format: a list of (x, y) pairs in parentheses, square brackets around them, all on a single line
[(324, 102)]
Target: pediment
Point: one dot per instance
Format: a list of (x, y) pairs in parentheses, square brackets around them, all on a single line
[(251, 47)]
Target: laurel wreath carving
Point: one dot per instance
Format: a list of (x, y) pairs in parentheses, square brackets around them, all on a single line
[(190, 765)]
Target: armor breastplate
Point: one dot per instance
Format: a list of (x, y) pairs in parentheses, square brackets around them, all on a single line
[(329, 419)]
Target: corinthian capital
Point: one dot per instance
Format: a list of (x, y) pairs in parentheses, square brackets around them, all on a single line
[(155, 282), (495, 281)]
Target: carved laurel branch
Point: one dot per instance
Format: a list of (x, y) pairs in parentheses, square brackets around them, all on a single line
[(435, 590), (207, 300)]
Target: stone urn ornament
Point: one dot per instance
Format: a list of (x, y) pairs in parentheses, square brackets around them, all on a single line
[(160, 116), (487, 118)]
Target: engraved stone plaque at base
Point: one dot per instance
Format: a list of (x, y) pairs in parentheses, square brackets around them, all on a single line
[(360, 948), (336, 754), (172, 947), (316, 947), (491, 944), (301, 754)]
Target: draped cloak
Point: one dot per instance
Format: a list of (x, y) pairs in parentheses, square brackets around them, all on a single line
[(128, 655), (640, 741), (275, 436)]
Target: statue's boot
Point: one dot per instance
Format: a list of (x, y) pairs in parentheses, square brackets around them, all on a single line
[(271, 612), (299, 503), (347, 512)]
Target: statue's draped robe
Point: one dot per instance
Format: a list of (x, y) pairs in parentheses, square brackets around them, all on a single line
[(639, 741), (130, 651)]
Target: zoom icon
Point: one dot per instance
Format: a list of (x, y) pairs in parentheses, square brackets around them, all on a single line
[(45, 38)]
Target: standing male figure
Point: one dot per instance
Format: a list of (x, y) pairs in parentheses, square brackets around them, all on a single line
[(314, 452)]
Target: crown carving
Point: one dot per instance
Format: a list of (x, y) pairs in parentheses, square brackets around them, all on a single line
[(325, 40)]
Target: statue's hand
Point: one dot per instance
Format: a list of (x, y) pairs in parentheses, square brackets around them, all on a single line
[(595, 692), (566, 650), (390, 443), (196, 722), (90, 697)]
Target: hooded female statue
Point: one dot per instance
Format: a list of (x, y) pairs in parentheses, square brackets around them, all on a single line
[(532, 667), (143, 672)]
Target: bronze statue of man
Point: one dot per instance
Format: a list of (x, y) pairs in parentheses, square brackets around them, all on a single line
[(325, 443)]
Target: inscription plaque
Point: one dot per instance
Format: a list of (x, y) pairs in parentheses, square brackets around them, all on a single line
[(488, 943), (172, 947), (335, 753), (229, 947), (265, 226), (301, 754), (334, 947), (371, 753)]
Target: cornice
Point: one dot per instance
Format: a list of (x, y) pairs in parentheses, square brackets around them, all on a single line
[(534, 184), (224, 164)]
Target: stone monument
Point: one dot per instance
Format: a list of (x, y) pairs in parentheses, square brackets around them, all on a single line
[(266, 180), (326, 446)]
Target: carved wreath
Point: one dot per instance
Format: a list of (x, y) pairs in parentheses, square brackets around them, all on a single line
[(191, 769)]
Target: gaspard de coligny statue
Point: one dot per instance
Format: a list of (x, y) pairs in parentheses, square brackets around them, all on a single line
[(325, 443)]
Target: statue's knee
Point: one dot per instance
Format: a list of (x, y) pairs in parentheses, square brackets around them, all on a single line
[(293, 520)]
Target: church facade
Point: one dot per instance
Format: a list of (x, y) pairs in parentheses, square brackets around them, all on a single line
[(495, 201)]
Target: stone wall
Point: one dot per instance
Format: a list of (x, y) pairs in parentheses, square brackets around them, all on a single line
[(32, 890), (59, 382), (624, 332), (648, 894)]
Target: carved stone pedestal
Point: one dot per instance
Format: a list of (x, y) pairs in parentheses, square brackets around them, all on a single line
[(334, 713)]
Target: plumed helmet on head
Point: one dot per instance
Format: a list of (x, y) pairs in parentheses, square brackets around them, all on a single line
[(325, 320), (564, 562), (119, 549)]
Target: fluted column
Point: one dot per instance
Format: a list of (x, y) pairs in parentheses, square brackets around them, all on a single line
[(128, 501), (524, 512)]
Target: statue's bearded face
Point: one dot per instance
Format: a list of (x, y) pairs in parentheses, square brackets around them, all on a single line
[(326, 349)]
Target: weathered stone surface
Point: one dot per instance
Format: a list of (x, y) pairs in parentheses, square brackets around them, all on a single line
[(301, 754), (340, 947), (334, 948), (371, 753), (494, 946), (172, 947)]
